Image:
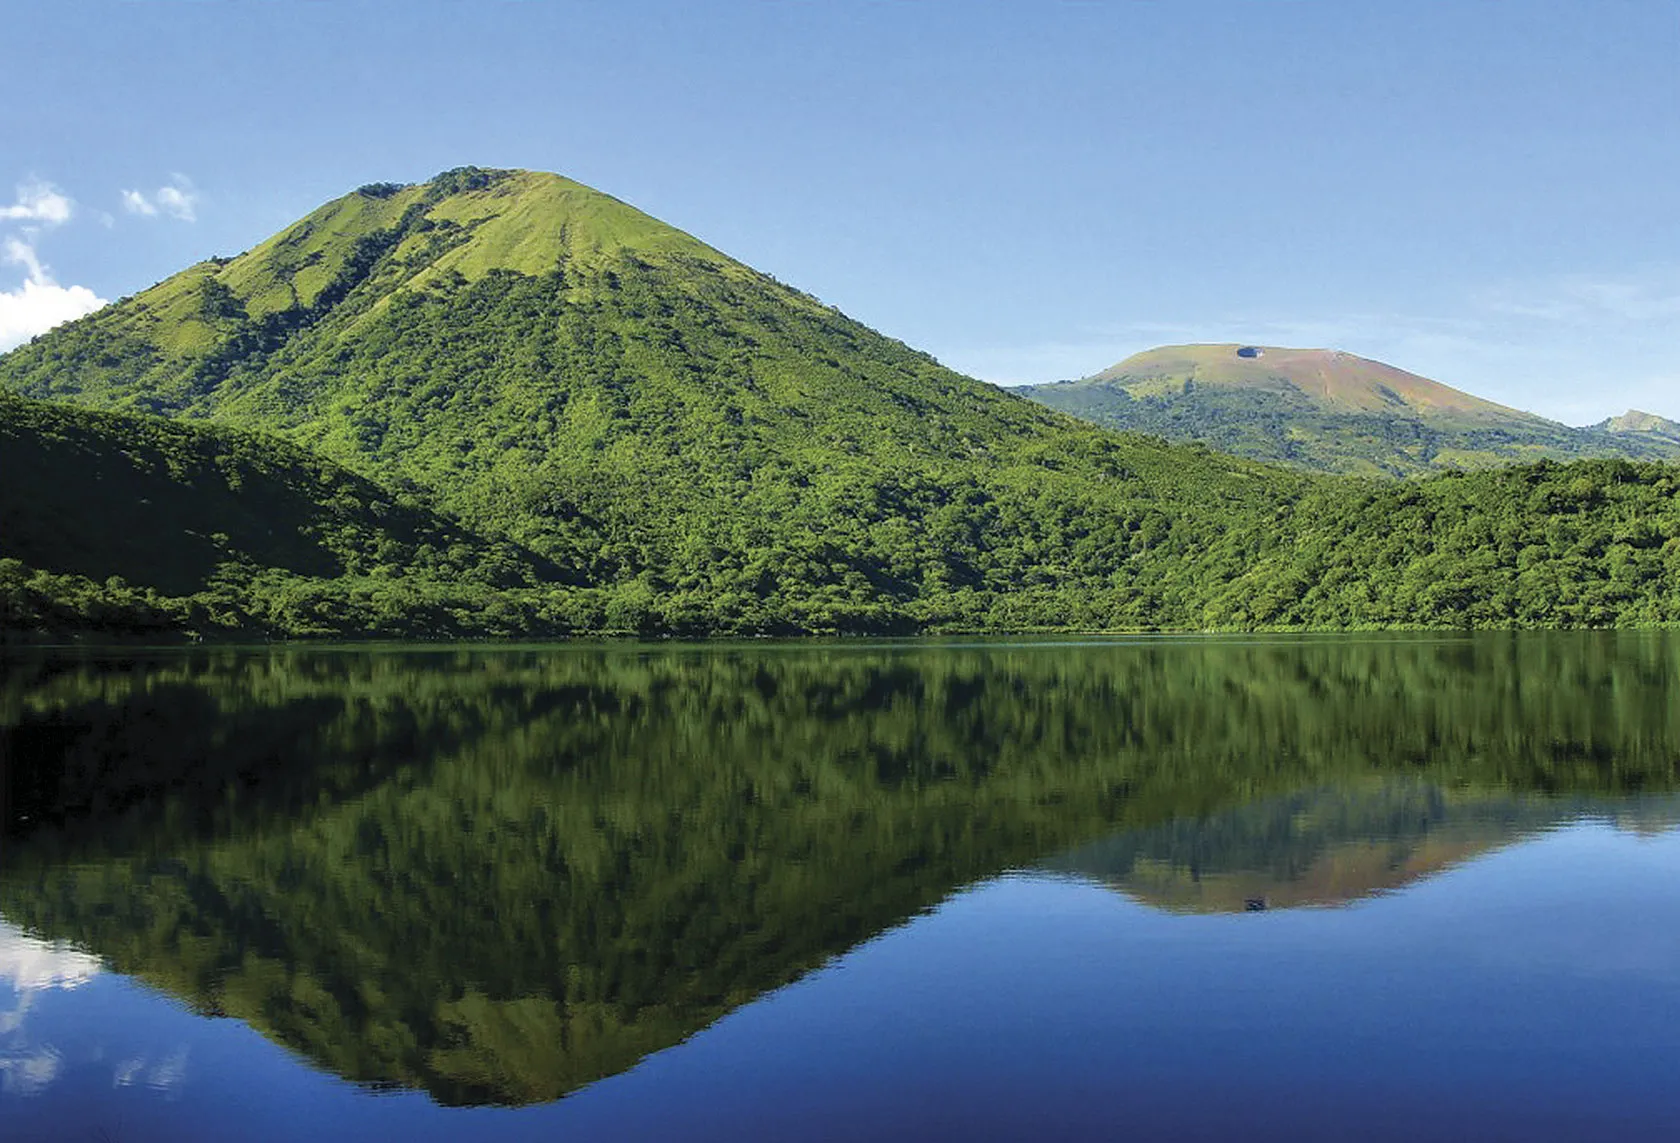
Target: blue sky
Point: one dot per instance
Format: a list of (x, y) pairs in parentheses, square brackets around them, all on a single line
[(1485, 193)]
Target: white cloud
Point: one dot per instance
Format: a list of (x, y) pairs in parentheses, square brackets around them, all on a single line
[(136, 203), (38, 202), (30, 964), (178, 199), (12, 1020), (33, 308), (1041, 361), (40, 303), (31, 1074), (181, 201)]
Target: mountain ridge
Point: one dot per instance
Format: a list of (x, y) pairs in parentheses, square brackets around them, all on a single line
[(651, 437)]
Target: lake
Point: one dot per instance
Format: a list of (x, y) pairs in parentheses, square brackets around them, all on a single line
[(1382, 887)]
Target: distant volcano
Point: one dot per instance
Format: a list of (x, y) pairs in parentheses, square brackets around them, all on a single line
[(1331, 379), (1333, 411)]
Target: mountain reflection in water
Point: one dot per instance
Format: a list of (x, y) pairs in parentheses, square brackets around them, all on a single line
[(1334, 846), (499, 875)]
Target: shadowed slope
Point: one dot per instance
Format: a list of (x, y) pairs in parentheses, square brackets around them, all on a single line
[(103, 514)]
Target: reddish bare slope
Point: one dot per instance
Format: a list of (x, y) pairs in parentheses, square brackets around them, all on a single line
[(1331, 379)]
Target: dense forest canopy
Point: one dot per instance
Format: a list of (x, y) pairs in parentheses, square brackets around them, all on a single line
[(531, 409)]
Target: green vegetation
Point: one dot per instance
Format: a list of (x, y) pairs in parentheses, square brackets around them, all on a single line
[(499, 875), (138, 525), (1643, 424), (1334, 412), (1590, 544), (592, 422)]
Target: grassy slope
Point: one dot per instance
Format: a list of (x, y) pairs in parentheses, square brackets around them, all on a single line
[(170, 347), (1637, 422)]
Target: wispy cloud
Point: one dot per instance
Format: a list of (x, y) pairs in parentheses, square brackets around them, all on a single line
[(39, 203), (1589, 299), (136, 203), (179, 202), (28, 1074), (20, 253), (177, 199)]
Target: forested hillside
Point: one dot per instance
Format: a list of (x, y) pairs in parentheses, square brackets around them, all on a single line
[(621, 429), (135, 524)]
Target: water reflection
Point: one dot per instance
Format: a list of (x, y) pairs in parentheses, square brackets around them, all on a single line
[(1335, 846), (29, 967), (498, 876)]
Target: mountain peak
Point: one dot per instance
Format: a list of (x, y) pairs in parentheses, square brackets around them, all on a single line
[(1639, 421), (341, 267), (468, 221)]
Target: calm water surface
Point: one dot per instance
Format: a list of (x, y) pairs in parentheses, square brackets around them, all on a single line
[(1386, 888)]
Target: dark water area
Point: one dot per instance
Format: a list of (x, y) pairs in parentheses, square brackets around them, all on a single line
[(1409, 887)]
